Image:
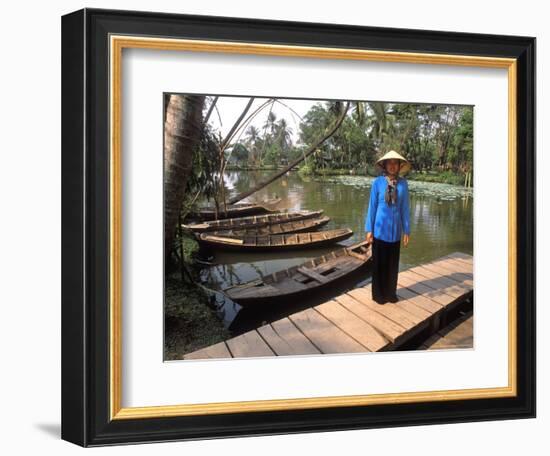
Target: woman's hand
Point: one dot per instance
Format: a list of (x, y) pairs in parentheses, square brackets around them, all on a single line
[(405, 240), (369, 237)]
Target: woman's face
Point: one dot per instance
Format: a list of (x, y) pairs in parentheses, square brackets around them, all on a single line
[(392, 166)]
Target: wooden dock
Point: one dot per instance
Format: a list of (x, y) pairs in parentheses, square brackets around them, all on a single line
[(429, 296), (458, 334)]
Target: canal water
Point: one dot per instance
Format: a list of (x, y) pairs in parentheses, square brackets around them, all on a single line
[(441, 223)]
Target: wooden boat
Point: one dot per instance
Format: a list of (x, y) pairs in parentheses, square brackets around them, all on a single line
[(238, 210), (309, 277), (275, 241), (297, 226), (254, 221)]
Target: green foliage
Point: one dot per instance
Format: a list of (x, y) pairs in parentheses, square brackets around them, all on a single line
[(463, 140), (306, 170), (191, 320), (444, 177), (239, 154), (269, 146), (206, 163), (432, 137)]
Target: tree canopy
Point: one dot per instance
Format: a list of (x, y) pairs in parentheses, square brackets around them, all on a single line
[(432, 137)]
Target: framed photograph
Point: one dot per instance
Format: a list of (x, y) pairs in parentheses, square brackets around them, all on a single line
[(277, 227)]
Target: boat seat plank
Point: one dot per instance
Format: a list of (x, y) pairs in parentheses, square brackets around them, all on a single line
[(356, 255), (314, 275), (331, 263)]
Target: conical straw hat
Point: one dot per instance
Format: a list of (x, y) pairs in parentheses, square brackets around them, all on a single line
[(405, 164)]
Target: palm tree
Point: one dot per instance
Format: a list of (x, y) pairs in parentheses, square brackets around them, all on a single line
[(270, 122), (182, 131), (327, 133), (252, 137), (252, 134), (283, 135)]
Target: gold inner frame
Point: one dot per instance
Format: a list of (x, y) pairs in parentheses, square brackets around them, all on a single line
[(117, 44)]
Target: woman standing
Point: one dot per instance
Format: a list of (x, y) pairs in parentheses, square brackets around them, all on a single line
[(387, 219)]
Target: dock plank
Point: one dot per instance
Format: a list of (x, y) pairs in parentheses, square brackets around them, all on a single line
[(469, 259), (248, 344), (450, 287), (323, 334), (454, 290), (351, 324), (398, 315), (455, 265), (451, 274), (441, 276), (458, 265), (289, 332), (278, 345), (215, 351), (405, 280), (419, 300), (388, 328), (402, 308), (285, 339), (419, 313)]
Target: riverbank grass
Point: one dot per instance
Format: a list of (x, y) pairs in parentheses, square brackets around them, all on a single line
[(441, 177), (191, 321)]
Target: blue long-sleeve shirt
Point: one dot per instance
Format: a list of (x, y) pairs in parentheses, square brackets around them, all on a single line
[(388, 222)]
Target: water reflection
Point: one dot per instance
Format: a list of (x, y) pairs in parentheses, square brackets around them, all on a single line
[(441, 223)]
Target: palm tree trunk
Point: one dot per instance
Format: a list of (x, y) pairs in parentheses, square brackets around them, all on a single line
[(285, 170), (182, 131)]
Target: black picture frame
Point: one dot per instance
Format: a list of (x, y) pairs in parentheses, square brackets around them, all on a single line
[(85, 227)]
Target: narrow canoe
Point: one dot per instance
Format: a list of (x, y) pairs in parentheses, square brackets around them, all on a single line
[(297, 226), (254, 221), (312, 276), (238, 210), (274, 242)]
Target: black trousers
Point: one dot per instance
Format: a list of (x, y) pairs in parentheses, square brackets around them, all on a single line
[(385, 267)]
